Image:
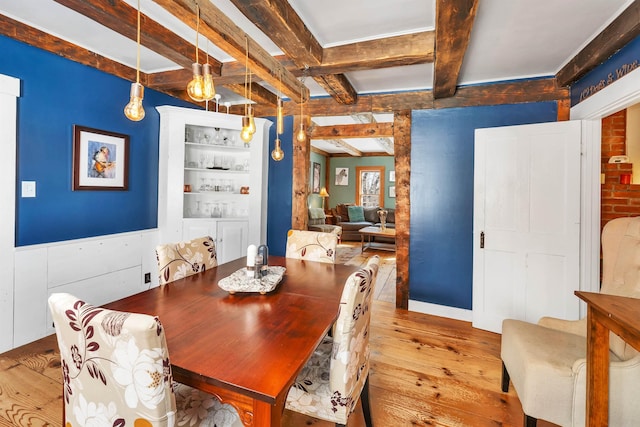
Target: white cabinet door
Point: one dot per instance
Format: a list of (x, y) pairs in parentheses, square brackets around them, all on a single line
[(526, 223), (196, 228), (232, 240)]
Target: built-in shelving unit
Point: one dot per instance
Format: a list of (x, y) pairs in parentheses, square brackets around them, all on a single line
[(211, 182)]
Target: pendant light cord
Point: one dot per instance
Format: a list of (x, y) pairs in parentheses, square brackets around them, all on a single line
[(138, 51), (197, 29)]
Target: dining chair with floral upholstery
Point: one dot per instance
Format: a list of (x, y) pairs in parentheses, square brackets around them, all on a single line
[(182, 259), (312, 246), (116, 372), (337, 374)]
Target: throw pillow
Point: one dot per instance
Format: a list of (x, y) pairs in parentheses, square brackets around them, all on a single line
[(356, 213)]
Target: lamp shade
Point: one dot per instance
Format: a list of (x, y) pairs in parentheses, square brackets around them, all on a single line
[(323, 192)]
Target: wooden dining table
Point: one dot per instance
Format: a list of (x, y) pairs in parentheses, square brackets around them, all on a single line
[(246, 348)]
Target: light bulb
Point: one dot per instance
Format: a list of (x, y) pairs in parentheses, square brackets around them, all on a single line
[(209, 88), (252, 122), (133, 110), (277, 154), (245, 133), (301, 135), (280, 118), (195, 88)]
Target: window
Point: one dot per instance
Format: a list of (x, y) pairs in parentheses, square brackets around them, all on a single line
[(370, 185)]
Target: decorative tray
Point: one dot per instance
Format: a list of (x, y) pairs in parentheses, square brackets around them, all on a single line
[(239, 282)]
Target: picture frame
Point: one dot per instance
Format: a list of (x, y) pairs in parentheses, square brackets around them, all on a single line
[(392, 176), (316, 178), (100, 160), (392, 191), (342, 176)]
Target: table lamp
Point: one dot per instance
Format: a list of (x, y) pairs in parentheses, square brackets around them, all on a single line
[(323, 193)]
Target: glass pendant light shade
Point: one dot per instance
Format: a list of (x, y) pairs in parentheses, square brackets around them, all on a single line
[(133, 110), (195, 88), (279, 118), (252, 122), (301, 135), (277, 154), (245, 133), (209, 90)]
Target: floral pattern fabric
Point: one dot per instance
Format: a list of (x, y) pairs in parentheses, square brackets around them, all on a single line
[(116, 372), (179, 260), (312, 246), (329, 385)]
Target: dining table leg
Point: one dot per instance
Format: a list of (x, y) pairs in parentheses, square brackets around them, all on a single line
[(597, 370)]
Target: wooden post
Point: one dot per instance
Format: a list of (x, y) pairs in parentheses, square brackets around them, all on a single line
[(300, 179), (402, 150)]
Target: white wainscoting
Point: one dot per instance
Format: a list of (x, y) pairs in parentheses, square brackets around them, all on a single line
[(98, 270)]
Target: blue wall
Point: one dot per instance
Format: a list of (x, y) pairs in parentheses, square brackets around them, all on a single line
[(57, 93), (279, 190), (441, 230)]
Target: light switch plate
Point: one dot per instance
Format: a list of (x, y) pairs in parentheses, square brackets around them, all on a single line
[(28, 189)]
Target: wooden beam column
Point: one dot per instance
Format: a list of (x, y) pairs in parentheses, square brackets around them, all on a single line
[(402, 142), (300, 179)]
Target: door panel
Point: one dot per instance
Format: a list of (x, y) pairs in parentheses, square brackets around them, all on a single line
[(527, 206)]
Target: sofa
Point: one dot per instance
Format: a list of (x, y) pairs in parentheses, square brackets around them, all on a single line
[(317, 222), (350, 226)]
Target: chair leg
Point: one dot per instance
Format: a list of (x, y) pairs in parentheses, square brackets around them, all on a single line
[(366, 407), (530, 421), (505, 378)]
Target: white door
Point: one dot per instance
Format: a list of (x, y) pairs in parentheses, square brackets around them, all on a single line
[(526, 223), (232, 240)]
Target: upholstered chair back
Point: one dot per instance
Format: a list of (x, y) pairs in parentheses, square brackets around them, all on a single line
[(350, 355), (332, 381), (115, 366), (116, 372), (621, 269), (312, 246), (179, 260)]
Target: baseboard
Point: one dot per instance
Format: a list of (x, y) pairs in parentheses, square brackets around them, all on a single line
[(441, 310)]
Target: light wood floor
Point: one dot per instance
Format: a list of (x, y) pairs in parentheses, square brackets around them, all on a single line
[(425, 371)]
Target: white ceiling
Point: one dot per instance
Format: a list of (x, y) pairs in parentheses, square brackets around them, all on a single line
[(511, 39)]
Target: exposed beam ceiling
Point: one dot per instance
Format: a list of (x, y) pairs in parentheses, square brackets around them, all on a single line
[(454, 20)]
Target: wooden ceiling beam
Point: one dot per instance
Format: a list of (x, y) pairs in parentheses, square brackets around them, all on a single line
[(386, 143), (285, 28), (540, 90), (226, 35), (123, 19), (259, 94), (454, 20), (408, 49), (365, 130), (621, 31)]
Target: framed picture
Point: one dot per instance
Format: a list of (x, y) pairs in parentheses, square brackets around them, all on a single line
[(392, 176), (316, 177), (392, 191), (342, 176), (100, 159)]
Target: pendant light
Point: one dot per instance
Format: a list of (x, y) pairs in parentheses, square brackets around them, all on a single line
[(195, 87), (134, 110), (277, 154), (245, 133), (209, 88), (301, 135)]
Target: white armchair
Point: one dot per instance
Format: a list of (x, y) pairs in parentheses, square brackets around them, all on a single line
[(546, 362)]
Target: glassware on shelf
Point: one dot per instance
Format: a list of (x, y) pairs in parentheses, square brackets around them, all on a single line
[(198, 212), (203, 184)]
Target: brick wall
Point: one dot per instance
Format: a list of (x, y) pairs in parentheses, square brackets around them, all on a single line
[(618, 200)]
